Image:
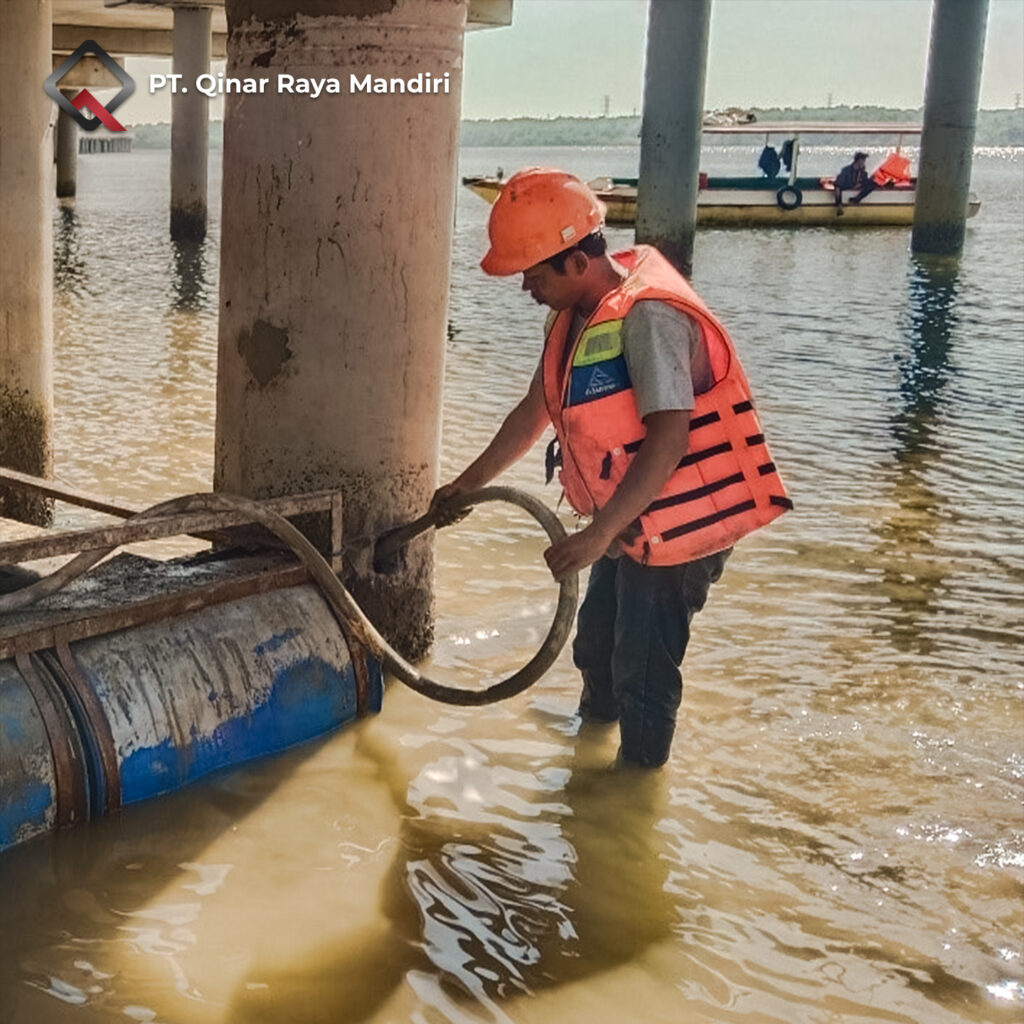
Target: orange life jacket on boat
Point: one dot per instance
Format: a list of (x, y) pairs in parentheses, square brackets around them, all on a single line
[(894, 168), (725, 487)]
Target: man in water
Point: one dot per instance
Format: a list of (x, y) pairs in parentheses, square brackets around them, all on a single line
[(659, 445), (853, 176)]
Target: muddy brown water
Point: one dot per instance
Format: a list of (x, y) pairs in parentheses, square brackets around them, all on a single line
[(838, 836)]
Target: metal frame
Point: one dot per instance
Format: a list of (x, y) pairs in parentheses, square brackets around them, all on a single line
[(57, 628)]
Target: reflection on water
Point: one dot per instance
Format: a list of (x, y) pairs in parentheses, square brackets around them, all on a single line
[(838, 835), (503, 884), (932, 319), (68, 263), (912, 569), (189, 276)]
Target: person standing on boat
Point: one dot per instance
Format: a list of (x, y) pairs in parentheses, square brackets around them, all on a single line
[(658, 444), (853, 176)]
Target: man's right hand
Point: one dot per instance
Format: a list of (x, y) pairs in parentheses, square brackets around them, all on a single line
[(445, 494)]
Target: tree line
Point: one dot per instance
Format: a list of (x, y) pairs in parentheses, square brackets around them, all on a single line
[(994, 128)]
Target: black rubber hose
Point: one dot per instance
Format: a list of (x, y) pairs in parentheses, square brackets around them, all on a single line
[(366, 633), (345, 607)]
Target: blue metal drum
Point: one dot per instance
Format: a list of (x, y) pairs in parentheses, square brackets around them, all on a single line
[(28, 797), (94, 724), (42, 770)]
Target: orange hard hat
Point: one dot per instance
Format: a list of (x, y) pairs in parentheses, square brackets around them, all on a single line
[(540, 212)]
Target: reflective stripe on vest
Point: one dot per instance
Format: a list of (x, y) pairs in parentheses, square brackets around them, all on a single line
[(723, 488)]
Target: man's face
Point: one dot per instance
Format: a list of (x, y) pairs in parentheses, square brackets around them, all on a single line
[(550, 288)]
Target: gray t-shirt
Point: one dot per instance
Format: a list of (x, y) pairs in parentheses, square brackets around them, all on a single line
[(665, 374)]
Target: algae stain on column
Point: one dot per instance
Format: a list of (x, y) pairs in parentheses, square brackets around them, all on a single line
[(24, 446)]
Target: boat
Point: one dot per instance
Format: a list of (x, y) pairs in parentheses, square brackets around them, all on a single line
[(770, 200)]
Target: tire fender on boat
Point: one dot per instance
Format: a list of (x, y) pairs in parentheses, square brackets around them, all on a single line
[(789, 197)]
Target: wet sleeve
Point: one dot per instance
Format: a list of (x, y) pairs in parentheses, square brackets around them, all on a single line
[(662, 347)]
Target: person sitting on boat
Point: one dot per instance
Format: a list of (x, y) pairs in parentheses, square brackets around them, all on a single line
[(658, 443), (853, 176)]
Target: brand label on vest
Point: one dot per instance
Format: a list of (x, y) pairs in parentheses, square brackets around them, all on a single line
[(598, 366), (597, 380)]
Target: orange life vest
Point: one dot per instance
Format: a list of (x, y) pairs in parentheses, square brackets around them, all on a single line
[(895, 168), (726, 485)]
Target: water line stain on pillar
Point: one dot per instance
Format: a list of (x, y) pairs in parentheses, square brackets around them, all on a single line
[(241, 11), (265, 350), (188, 223)]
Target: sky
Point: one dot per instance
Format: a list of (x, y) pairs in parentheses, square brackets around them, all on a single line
[(565, 56)]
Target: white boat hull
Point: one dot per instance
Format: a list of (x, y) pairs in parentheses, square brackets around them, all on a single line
[(759, 207)]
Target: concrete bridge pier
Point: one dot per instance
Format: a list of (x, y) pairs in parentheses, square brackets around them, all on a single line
[(953, 84), (26, 259), (677, 51), (190, 114), (335, 265), (67, 151)]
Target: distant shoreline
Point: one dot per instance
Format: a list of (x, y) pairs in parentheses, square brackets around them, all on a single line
[(994, 128)]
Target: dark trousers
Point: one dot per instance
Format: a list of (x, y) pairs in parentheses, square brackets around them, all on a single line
[(632, 632), (865, 190)]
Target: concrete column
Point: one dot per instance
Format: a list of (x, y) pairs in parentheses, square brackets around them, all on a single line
[(677, 50), (190, 117), (335, 263), (950, 114), (26, 258), (67, 153)]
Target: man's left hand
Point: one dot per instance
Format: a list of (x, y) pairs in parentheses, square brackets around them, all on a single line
[(576, 552)]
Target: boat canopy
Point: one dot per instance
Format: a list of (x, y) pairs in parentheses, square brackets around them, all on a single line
[(815, 128)]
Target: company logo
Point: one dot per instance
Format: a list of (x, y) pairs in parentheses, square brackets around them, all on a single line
[(85, 100), (599, 383)]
